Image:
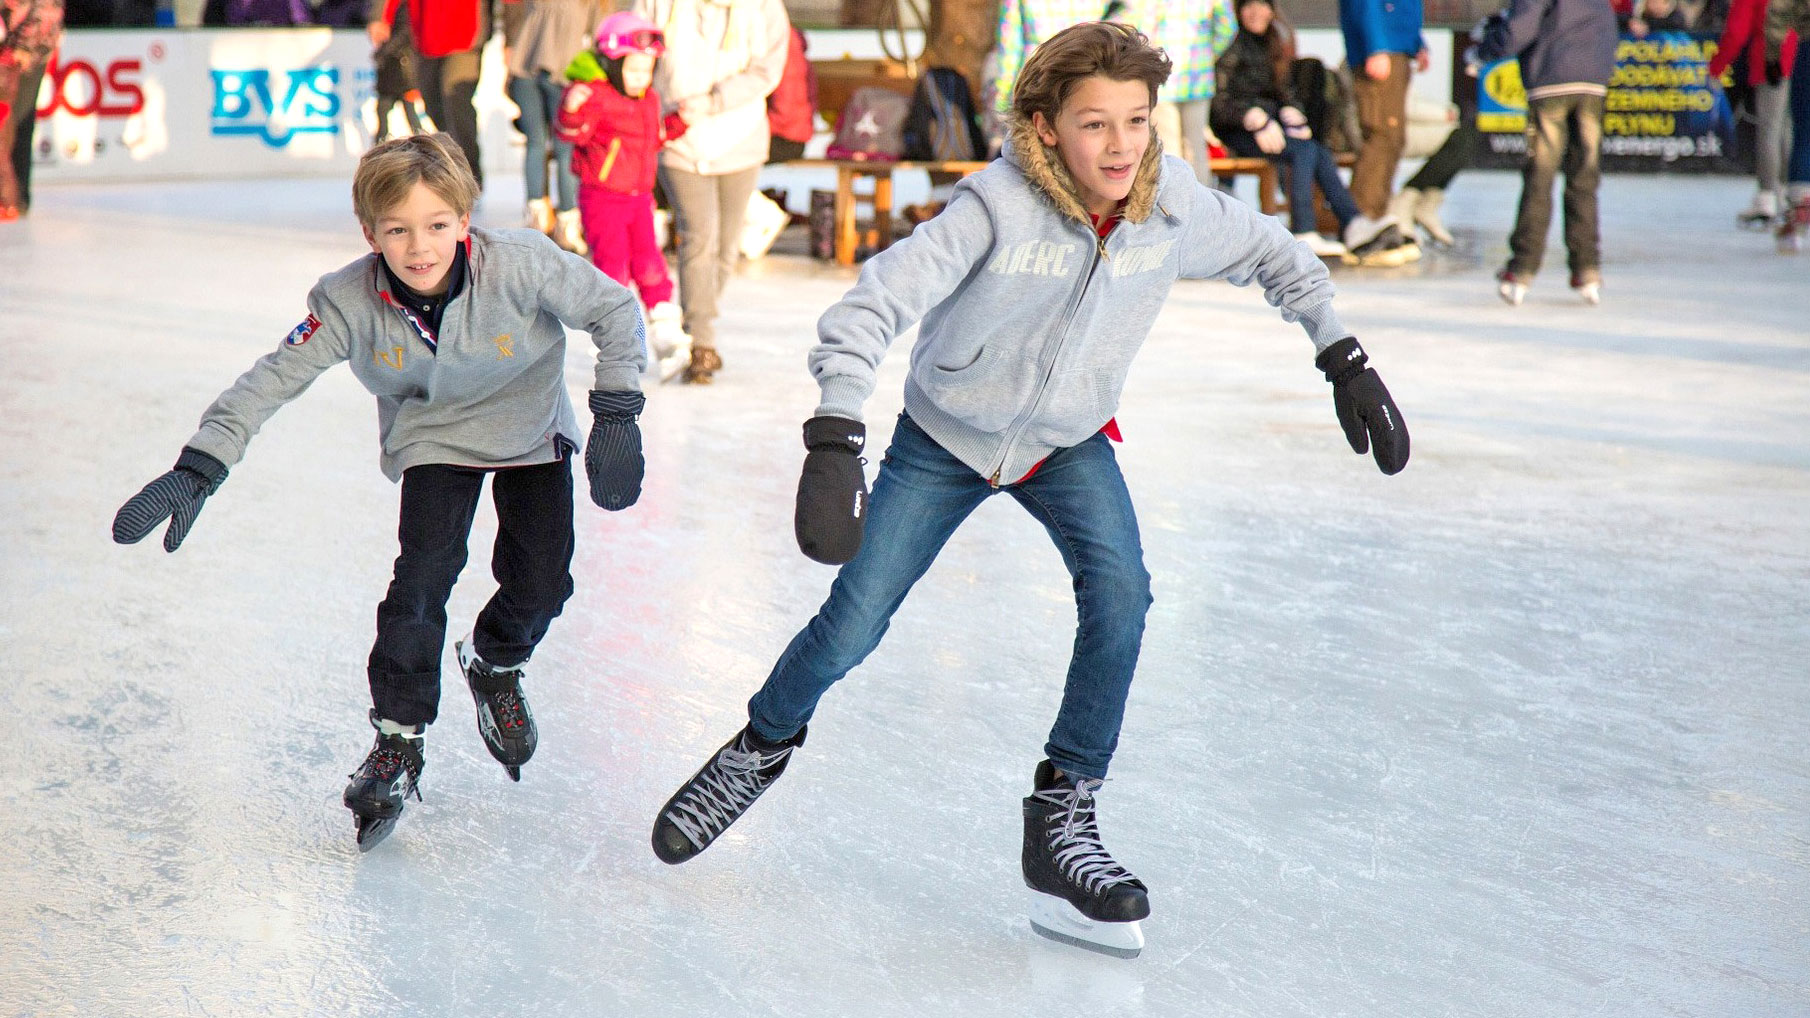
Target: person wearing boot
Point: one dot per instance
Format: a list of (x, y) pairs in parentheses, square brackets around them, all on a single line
[(1567, 53), (549, 35), (1080, 229), (611, 120), (1382, 39)]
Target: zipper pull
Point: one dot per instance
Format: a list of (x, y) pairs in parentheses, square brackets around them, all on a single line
[(994, 480), (1102, 242)]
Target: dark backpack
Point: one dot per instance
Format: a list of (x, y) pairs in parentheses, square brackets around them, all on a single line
[(871, 126), (942, 123)]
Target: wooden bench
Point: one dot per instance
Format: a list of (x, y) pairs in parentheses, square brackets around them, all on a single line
[(848, 171)]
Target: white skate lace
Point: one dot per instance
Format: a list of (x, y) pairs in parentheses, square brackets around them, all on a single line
[(1075, 839), (722, 792)]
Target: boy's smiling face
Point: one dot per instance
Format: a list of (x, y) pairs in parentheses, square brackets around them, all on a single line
[(1101, 134), (418, 237)]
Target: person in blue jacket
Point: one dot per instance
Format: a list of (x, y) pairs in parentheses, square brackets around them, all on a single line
[(1381, 37)]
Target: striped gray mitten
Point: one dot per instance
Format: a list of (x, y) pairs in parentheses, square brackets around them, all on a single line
[(176, 496), (612, 457)]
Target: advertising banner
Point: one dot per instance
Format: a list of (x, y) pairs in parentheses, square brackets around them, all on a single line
[(122, 104), (1663, 112)]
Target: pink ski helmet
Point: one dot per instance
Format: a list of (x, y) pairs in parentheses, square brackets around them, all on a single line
[(623, 33)]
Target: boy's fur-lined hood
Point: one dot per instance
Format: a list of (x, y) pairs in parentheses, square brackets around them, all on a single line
[(1046, 172)]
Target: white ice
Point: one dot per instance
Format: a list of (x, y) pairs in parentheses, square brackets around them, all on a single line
[(1520, 731)]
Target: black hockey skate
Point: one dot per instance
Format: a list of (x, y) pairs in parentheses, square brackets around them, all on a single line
[(503, 716), (1080, 895), (382, 784), (719, 793)]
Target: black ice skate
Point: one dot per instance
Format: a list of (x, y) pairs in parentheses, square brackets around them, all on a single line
[(719, 793), (382, 784), (1080, 895), (503, 716)]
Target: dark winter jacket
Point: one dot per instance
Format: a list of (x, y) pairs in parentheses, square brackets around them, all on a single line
[(1565, 46), (1746, 33), (616, 140), (1382, 26), (1245, 78)]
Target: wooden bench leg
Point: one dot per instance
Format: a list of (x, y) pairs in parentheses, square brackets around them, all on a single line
[(845, 215), (883, 208), (1266, 189)]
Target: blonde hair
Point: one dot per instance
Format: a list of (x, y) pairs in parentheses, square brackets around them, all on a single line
[(388, 172), (1108, 48)]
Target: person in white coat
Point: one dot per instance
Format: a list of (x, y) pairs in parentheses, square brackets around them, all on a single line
[(723, 58)]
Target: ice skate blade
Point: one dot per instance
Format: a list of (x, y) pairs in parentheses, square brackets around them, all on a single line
[(1057, 920), (372, 831)]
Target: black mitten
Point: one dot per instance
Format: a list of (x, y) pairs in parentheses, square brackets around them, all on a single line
[(1369, 416), (176, 496), (612, 457), (832, 491)]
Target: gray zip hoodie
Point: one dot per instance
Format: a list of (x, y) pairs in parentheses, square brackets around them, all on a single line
[(1029, 319), (493, 393)]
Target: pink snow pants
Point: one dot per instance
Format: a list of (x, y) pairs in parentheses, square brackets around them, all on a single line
[(620, 231)]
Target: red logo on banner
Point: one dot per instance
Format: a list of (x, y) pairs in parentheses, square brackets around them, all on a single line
[(86, 90)]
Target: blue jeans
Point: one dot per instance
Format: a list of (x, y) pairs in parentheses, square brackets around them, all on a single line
[(922, 494), (539, 98), (1305, 163)]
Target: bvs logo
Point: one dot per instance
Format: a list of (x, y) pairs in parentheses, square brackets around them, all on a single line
[(83, 89), (245, 102)]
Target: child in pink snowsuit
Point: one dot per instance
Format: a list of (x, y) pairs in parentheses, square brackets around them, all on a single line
[(611, 115)]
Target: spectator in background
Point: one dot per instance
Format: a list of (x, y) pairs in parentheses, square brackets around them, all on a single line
[(792, 108), (1745, 36), (550, 34), (1023, 24), (723, 58), (1194, 33), (1785, 18), (449, 40), (1567, 54), (395, 64), (29, 33), (1381, 36)]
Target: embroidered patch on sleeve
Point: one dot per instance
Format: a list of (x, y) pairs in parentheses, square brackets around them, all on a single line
[(303, 332)]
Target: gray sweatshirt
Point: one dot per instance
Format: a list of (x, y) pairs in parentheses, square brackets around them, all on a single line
[(1029, 320), (494, 392)]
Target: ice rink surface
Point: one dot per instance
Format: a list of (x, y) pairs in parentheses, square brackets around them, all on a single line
[(1520, 731)]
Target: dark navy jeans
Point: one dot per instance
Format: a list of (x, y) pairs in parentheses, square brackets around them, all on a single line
[(532, 563), (921, 495)]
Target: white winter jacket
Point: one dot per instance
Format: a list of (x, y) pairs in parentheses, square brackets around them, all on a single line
[(732, 51)]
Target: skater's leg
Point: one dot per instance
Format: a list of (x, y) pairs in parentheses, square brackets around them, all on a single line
[(437, 505), (1456, 153), (532, 560), (1771, 114), (1338, 197), (1546, 133), (1079, 496), (605, 232), (537, 128), (921, 495), (645, 262), (1583, 173), (1297, 157)]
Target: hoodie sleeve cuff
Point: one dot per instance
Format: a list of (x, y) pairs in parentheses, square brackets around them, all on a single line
[(1323, 326), (842, 397)]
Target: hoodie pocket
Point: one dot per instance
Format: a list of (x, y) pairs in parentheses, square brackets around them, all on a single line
[(1078, 404), (985, 394)]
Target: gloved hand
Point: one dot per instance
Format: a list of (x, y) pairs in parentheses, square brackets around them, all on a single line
[(176, 496), (1369, 416), (612, 457), (832, 491)]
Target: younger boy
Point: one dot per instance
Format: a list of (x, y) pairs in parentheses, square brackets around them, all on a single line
[(459, 333), (1079, 231)]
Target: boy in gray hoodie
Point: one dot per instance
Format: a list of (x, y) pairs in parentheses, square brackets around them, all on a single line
[(460, 334), (1035, 286)]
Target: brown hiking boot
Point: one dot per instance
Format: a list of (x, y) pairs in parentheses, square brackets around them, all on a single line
[(703, 367)]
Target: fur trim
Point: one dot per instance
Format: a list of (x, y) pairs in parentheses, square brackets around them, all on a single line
[(1044, 168)]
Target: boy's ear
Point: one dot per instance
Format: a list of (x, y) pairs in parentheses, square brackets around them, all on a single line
[(370, 238), (465, 226), (1045, 133)]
